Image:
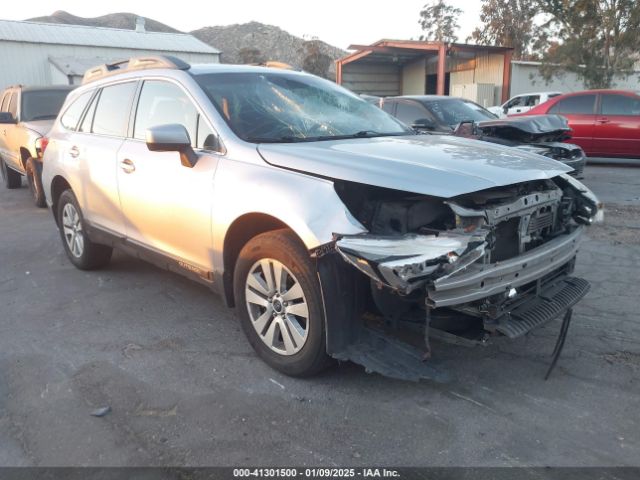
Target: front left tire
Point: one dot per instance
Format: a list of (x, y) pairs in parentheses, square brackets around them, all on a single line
[(279, 303), (81, 251), (10, 178), (34, 180)]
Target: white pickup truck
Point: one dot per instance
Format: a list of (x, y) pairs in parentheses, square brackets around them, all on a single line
[(522, 103)]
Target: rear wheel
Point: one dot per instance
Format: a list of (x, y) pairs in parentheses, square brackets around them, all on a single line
[(279, 303), (11, 178), (34, 179), (82, 252)]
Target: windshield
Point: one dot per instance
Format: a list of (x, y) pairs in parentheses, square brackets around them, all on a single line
[(452, 111), (42, 104), (284, 107)]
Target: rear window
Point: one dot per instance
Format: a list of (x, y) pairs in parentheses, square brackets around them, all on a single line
[(620, 105), (71, 116), (112, 111), (578, 104), (42, 104)]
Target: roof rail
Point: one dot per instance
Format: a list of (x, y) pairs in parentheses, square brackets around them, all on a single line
[(134, 63)]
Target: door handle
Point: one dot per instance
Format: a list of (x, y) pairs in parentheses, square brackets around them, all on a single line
[(603, 120), (127, 166), (74, 152)]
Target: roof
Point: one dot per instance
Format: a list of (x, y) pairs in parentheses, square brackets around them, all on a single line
[(406, 50), (62, 34)]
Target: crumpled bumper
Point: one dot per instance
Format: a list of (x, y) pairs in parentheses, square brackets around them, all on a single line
[(483, 280)]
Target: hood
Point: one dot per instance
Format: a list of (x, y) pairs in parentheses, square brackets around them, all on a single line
[(437, 165), (530, 128), (41, 127)]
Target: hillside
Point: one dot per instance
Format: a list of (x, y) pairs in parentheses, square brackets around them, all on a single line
[(126, 21), (252, 42)]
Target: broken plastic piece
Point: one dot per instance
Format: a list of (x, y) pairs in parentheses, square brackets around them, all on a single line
[(101, 412)]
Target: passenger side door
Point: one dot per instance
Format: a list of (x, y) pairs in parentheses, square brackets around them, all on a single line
[(166, 205), (579, 110), (617, 127), (516, 105), (10, 149), (93, 148)]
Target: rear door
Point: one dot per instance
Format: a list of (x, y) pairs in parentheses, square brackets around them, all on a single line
[(580, 112), (167, 206), (94, 149), (617, 128)]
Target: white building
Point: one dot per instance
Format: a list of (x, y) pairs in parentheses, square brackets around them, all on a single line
[(526, 78), (34, 53)]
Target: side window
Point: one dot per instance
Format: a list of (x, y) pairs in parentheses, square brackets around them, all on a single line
[(4, 107), (578, 104), (388, 107), (620, 105), (71, 116), (516, 102), (87, 121), (410, 112), (13, 105), (162, 103), (532, 100), (112, 111), (206, 139)]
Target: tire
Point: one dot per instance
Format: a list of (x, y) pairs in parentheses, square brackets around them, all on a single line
[(279, 313), (11, 178), (34, 180), (82, 252)]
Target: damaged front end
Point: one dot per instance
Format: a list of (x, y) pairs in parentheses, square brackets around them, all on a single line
[(492, 263)]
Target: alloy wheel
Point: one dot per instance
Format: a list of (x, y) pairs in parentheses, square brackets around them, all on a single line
[(72, 227), (277, 306)]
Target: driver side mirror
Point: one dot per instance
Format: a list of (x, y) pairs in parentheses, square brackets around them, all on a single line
[(172, 138), (505, 109), (424, 124), (7, 118)]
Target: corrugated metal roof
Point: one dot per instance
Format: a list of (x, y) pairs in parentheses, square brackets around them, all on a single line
[(78, 66), (34, 32)]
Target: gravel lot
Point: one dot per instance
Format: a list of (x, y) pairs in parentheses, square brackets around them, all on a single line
[(185, 388)]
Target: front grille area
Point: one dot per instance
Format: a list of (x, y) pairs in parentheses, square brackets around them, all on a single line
[(520, 234), (543, 219)]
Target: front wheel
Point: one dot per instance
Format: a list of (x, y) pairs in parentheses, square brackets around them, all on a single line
[(34, 179), (82, 252), (11, 178), (279, 303)]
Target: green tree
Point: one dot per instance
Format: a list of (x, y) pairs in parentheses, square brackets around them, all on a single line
[(508, 23), (596, 39), (439, 21)]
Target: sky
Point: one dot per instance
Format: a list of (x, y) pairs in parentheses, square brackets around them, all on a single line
[(338, 22)]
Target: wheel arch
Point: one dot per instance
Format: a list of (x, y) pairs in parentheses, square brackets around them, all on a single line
[(239, 233), (58, 185), (25, 154)]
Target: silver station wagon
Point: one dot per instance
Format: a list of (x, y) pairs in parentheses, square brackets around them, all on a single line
[(334, 230)]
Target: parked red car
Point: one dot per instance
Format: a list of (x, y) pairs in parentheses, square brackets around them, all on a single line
[(605, 123)]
